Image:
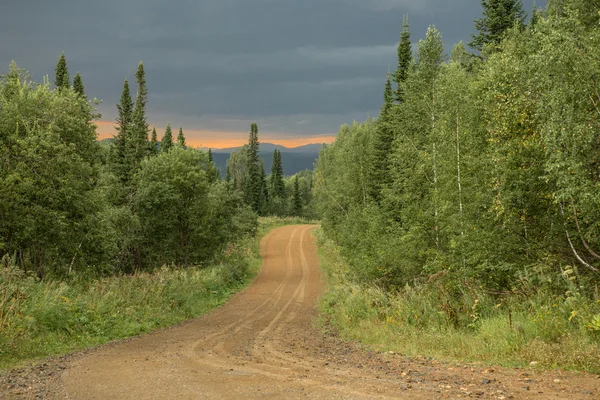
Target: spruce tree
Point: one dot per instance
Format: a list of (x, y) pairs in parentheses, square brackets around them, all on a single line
[(181, 138), (78, 85), (166, 143), (61, 73), (253, 182), (382, 145), (264, 190), (125, 110), (534, 15), (297, 199), (152, 146), (227, 174), (277, 184), (139, 134), (498, 16), (404, 60), (213, 171)]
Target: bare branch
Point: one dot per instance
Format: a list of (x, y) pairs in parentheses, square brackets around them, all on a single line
[(585, 244), (579, 258)]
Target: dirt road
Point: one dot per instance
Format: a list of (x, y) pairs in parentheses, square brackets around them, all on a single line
[(262, 344)]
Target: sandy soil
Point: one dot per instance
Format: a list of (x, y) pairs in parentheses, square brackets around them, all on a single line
[(263, 344)]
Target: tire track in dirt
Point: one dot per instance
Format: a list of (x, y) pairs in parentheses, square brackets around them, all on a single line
[(262, 344)]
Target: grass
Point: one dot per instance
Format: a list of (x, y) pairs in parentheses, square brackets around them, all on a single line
[(414, 322), (41, 319)]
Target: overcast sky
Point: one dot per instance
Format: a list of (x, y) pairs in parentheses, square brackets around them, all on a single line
[(300, 68)]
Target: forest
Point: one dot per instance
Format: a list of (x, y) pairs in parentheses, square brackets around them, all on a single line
[(73, 205), (470, 205)]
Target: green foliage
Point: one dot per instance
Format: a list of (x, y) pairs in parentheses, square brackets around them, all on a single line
[(124, 122), (404, 60), (213, 172), (78, 85), (61, 73), (137, 141), (47, 170), (153, 144), (453, 319), (181, 139), (74, 207), (491, 189), (166, 143), (382, 146), (498, 17), (254, 179), (296, 200)]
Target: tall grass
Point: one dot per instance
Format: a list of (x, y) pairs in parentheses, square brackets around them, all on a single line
[(471, 326), (42, 318)]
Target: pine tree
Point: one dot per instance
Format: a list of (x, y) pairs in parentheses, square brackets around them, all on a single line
[(78, 85), (138, 144), (297, 199), (166, 143), (404, 60), (125, 110), (152, 146), (382, 146), (498, 16), (181, 139), (61, 72)]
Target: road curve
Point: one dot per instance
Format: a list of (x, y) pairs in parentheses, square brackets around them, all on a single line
[(262, 344)]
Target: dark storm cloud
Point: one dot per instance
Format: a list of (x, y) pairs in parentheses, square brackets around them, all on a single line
[(311, 61)]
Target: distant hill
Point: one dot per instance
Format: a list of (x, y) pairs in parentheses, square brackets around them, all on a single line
[(294, 159), (292, 162), (269, 147)]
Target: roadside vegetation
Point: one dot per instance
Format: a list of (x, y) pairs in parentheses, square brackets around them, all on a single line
[(463, 222), (42, 318)]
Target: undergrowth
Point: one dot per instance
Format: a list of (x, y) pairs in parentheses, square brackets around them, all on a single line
[(457, 322), (43, 318)]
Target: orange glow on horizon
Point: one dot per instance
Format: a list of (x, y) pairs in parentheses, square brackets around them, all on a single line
[(220, 140)]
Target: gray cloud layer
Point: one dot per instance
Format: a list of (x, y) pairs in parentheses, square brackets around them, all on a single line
[(299, 66)]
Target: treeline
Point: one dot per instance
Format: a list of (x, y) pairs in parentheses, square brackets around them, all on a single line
[(479, 183), (69, 205), (273, 194)]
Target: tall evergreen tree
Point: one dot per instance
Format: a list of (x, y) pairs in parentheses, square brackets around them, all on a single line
[(138, 143), (253, 183), (227, 174), (534, 15), (297, 198), (61, 73), (124, 117), (277, 183), (382, 146), (166, 143), (264, 190), (78, 85), (213, 171), (181, 138), (404, 60), (498, 16), (152, 146)]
